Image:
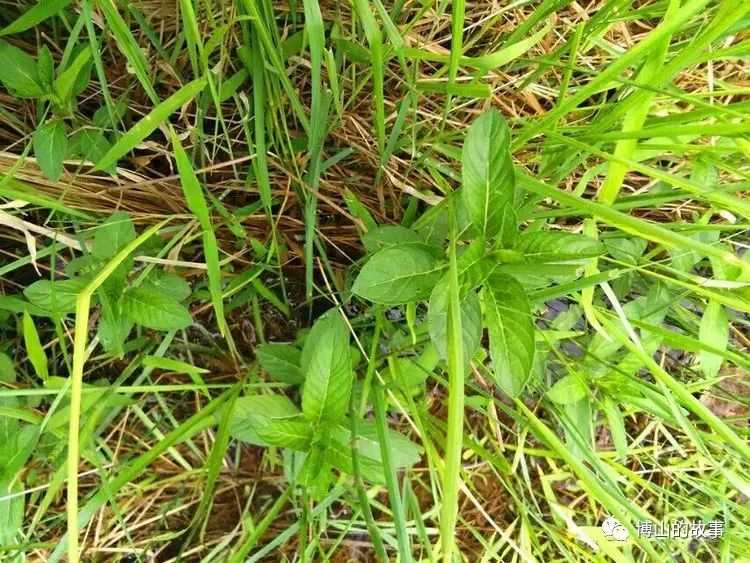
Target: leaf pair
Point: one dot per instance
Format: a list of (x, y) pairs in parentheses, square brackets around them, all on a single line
[(26, 78)]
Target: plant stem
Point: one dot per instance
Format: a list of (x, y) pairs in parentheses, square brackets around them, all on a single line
[(454, 437)]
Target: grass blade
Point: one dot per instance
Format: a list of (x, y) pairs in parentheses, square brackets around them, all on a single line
[(42, 10), (150, 122), (197, 202)]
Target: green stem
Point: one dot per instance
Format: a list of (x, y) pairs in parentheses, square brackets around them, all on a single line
[(391, 480), (454, 437)]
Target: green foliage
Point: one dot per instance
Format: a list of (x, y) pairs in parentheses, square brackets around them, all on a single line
[(328, 373), (471, 321), (565, 360), (568, 390), (408, 272), (714, 331), (154, 304), (511, 331), (25, 77), (403, 273), (321, 429), (153, 309), (19, 72), (282, 362), (50, 148), (488, 178)]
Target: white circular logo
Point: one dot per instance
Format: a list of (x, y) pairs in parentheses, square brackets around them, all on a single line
[(612, 528)]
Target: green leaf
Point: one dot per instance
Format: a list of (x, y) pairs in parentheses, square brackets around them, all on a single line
[(403, 273), (57, 296), (17, 450), (714, 331), (172, 365), (103, 119), (282, 362), (196, 200), (50, 148), (152, 309), (556, 246), (511, 331), (150, 122), (471, 321), (474, 266), (7, 369), (90, 145), (616, 426), (112, 236), (96, 401), (328, 322), (46, 68), (403, 452), (34, 348), (11, 510), (8, 425), (270, 420), (38, 13), (568, 390), (390, 235), (80, 265), (65, 84), (328, 376), (508, 231), (113, 331), (19, 73), (409, 372), (488, 178), (170, 285)]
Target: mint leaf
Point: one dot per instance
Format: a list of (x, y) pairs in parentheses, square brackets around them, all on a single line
[(11, 510), (152, 309), (57, 296), (556, 246), (19, 73), (172, 285), (45, 68), (68, 83), (91, 146), (113, 331), (50, 148), (488, 179), (714, 331), (328, 376), (511, 331), (270, 420), (330, 321), (471, 321), (404, 273), (17, 450), (403, 452), (281, 361), (112, 236), (390, 235), (568, 390)]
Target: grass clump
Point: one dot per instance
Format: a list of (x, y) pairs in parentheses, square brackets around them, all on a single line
[(367, 281)]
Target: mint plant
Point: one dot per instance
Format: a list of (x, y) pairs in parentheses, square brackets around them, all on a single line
[(320, 431), (497, 264), (152, 302), (38, 79)]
